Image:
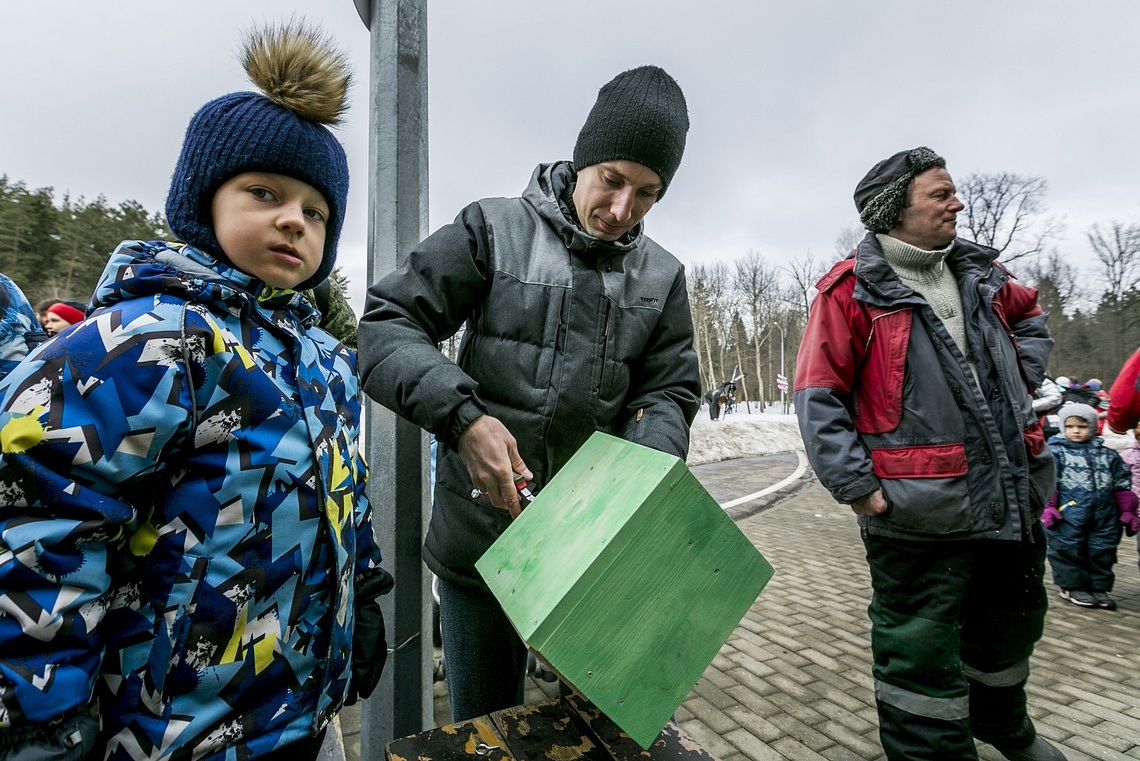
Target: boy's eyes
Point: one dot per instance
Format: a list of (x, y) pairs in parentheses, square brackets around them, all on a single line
[(265, 194)]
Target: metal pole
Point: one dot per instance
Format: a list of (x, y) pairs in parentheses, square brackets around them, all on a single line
[(396, 449)]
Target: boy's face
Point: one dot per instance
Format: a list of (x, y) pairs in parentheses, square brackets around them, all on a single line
[(271, 226), (1077, 429)]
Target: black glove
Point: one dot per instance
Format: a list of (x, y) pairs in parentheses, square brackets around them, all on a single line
[(369, 645)]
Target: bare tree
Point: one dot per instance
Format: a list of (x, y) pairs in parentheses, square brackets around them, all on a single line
[(721, 303), (1117, 248), (1057, 283), (756, 283), (805, 273), (1006, 212), (847, 239), (697, 281)]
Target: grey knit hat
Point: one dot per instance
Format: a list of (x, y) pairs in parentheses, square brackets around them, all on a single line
[(640, 115), (1076, 409), (880, 196)]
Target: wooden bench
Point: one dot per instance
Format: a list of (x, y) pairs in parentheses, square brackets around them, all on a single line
[(569, 729)]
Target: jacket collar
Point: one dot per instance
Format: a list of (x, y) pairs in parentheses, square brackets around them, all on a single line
[(141, 269), (878, 283)]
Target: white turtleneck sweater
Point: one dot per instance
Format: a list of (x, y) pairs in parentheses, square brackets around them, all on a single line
[(926, 272)]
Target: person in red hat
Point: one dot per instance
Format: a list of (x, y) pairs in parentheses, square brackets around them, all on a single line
[(61, 316)]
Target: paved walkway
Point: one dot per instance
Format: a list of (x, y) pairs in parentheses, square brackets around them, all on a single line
[(793, 681)]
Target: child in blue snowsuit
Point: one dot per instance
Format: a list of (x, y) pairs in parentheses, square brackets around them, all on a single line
[(1084, 517), (185, 540)]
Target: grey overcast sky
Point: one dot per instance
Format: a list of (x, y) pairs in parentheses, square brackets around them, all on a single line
[(790, 102)]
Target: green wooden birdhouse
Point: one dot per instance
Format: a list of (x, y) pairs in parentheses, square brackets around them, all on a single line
[(625, 576)]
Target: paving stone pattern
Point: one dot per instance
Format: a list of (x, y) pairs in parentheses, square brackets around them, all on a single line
[(794, 679)]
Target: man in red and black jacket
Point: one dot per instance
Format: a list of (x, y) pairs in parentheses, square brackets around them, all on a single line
[(913, 393)]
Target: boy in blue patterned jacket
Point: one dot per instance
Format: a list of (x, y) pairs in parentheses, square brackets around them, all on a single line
[(184, 532), (1084, 517)]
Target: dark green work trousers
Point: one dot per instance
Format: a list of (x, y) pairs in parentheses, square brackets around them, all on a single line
[(953, 624)]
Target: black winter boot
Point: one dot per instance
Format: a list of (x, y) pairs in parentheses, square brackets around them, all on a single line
[(1039, 750)]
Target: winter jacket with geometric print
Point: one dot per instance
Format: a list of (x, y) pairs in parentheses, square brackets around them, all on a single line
[(182, 513)]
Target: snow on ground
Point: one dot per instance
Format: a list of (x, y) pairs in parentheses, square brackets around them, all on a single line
[(741, 434)]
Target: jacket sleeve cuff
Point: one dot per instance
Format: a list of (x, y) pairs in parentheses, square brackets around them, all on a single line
[(860, 487), (463, 416)]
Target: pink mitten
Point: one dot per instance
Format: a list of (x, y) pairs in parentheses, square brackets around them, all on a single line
[(1051, 516), (1128, 503)]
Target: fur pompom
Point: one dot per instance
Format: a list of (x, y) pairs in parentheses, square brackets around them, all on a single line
[(299, 68)]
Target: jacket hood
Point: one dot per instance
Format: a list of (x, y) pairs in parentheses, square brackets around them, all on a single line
[(548, 185), (140, 269)]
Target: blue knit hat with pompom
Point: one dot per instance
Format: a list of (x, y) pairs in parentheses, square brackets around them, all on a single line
[(305, 83)]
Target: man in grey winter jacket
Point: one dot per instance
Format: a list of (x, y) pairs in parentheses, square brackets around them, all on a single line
[(575, 322), (913, 393)]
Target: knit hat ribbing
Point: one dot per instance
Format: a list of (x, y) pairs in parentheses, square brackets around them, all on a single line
[(66, 312), (640, 115), (1083, 411), (880, 196), (280, 132)]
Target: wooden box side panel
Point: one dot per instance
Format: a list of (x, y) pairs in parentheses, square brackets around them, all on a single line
[(567, 537), (646, 630)]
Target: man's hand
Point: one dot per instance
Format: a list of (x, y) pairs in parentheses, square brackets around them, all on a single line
[(492, 458), (872, 504)]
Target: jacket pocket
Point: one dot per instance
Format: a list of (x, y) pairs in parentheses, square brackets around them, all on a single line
[(1034, 438), (879, 394), (166, 675), (932, 461), (203, 633)]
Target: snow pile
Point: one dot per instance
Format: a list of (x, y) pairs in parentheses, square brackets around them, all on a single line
[(741, 435)]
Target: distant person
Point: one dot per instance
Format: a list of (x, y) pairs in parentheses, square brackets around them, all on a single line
[(914, 408), (576, 322), (717, 400), (1124, 397), (60, 316), (1047, 399), (42, 307), (1131, 457), (20, 331), (1084, 517), (1076, 392), (187, 542)]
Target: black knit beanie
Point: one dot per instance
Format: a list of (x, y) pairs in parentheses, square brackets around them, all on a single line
[(880, 196), (640, 116), (305, 82)]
